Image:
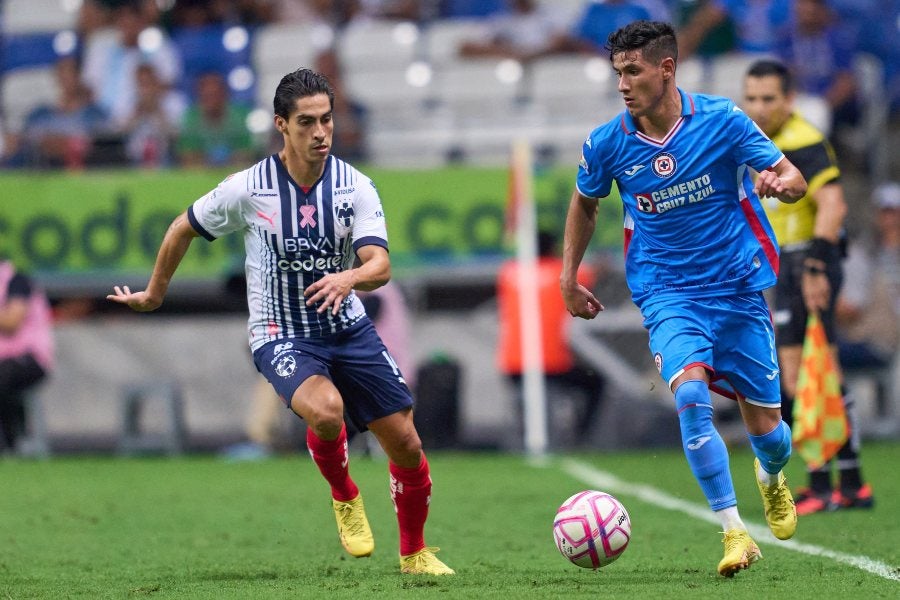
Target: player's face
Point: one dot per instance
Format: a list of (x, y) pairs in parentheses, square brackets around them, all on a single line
[(766, 103), (309, 128), (641, 83)]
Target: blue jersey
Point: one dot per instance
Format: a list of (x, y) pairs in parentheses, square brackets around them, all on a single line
[(693, 226), (293, 237)]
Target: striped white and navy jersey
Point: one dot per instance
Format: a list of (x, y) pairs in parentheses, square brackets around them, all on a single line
[(693, 225), (293, 238)]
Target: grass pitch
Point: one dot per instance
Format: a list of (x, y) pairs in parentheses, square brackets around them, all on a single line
[(199, 527)]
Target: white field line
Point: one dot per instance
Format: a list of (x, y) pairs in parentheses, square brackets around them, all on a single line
[(610, 483)]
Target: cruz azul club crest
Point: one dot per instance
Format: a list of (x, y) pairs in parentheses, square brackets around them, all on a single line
[(664, 164)]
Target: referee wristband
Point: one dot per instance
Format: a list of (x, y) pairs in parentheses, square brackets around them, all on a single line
[(813, 270), (823, 250)]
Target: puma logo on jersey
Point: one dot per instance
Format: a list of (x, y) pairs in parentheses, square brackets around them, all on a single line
[(633, 170), (271, 219)]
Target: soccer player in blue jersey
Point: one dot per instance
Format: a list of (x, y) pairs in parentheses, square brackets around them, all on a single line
[(698, 254), (314, 231)]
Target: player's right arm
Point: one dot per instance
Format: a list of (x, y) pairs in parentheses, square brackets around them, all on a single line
[(581, 221), (178, 238)]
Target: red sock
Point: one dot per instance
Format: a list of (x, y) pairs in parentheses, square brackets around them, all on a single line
[(411, 494), (333, 461)]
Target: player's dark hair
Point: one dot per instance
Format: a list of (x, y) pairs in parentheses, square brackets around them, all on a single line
[(773, 68), (655, 39), (300, 84)]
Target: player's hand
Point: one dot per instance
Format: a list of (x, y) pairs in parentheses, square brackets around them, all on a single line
[(816, 291), (139, 301), (330, 291), (580, 302), (768, 183)]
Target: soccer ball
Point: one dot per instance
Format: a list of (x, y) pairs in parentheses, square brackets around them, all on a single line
[(592, 529)]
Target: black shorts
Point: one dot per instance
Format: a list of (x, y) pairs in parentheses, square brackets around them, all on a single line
[(355, 360), (790, 312)]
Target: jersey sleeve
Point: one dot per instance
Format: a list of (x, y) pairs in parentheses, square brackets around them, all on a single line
[(369, 226), (593, 180), (751, 146), (221, 211)]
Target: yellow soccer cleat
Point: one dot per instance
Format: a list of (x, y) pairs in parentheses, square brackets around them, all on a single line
[(781, 514), (424, 562), (353, 527), (740, 552)]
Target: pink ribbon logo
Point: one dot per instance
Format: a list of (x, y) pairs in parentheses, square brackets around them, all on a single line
[(307, 211)]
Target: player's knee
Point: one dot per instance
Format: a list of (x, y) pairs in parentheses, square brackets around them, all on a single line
[(324, 414), (694, 410)]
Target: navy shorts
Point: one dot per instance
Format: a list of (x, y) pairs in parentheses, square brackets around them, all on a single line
[(355, 360), (732, 337), (790, 312)]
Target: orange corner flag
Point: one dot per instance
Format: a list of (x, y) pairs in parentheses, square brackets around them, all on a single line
[(820, 423)]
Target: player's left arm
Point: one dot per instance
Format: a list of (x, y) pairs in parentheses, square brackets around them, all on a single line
[(831, 209), (372, 272), (783, 181)]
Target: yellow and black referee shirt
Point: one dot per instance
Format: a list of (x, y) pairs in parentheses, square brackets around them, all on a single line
[(808, 149)]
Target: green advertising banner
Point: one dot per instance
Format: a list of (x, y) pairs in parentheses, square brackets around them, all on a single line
[(111, 223)]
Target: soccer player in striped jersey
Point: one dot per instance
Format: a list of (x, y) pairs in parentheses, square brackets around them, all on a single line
[(314, 231), (699, 252)]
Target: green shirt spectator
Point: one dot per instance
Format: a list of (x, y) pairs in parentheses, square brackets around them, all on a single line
[(214, 132)]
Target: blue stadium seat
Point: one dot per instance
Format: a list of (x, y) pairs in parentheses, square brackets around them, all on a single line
[(203, 50), (472, 8), (22, 51)]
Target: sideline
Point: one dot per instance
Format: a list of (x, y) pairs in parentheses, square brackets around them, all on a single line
[(610, 483)]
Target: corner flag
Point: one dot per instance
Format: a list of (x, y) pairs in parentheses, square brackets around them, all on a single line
[(820, 423)]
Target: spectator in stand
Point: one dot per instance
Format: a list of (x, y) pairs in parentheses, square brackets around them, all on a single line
[(758, 24), (26, 348), (717, 40), (562, 368), (597, 21), (112, 59), (820, 52), (528, 31), (868, 309), (214, 131), (61, 134), (349, 141), (153, 127)]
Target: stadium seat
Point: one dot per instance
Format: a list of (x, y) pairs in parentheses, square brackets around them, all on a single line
[(21, 51), (282, 48), (444, 37), (31, 16), (478, 90), (23, 90), (726, 74), (203, 50), (555, 82), (814, 109), (382, 45)]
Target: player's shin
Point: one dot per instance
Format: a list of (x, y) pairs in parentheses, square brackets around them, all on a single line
[(703, 446), (332, 458), (411, 494), (773, 449)]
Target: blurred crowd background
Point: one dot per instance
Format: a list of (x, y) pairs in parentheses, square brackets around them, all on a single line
[(165, 83), (184, 86)]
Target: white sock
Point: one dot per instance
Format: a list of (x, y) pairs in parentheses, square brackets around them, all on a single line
[(730, 518), (765, 477)]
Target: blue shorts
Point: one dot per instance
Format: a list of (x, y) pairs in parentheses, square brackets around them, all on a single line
[(731, 336), (355, 360)]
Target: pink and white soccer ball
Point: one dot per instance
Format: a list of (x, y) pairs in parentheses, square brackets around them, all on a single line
[(592, 529)]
